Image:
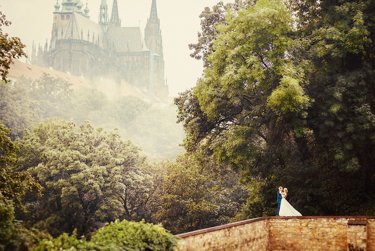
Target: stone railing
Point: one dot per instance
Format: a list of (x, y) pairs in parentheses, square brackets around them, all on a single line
[(286, 233)]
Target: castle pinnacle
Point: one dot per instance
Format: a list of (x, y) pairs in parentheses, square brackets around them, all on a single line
[(115, 20), (103, 15), (87, 10), (79, 7), (57, 6), (154, 12)]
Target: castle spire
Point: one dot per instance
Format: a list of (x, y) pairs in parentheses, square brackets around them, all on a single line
[(153, 37), (103, 14), (115, 20), (154, 12)]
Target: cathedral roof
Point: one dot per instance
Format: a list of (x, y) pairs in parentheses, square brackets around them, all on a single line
[(80, 27), (126, 39)]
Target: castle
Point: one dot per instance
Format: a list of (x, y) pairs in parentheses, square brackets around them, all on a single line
[(94, 51)]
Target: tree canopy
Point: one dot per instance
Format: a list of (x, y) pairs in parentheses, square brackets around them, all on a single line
[(287, 98), (194, 197), (10, 47), (88, 175)]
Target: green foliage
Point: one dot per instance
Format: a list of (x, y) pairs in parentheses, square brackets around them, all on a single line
[(17, 111), (156, 131), (209, 20), (13, 183), (126, 109), (195, 197), (289, 97), (152, 128), (11, 47), (117, 235), (90, 104), (13, 235), (249, 106), (9, 236), (342, 86), (66, 242), (135, 236), (288, 100), (88, 175), (52, 94)]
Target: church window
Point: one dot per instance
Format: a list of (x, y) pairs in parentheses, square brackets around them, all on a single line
[(62, 17)]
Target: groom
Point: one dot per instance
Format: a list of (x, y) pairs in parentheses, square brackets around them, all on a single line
[(279, 197)]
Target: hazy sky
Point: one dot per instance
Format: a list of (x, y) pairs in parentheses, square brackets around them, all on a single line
[(179, 20)]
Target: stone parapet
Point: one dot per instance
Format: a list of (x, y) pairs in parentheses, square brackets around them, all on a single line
[(244, 235), (286, 233)]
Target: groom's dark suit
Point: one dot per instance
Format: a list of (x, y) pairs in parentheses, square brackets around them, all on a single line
[(279, 197)]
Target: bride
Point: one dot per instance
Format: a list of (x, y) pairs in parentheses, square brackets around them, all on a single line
[(285, 208)]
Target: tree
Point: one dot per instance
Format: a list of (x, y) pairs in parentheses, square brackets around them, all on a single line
[(126, 109), (195, 197), (13, 183), (53, 95), (90, 104), (209, 21), (11, 47), (89, 176), (17, 111), (250, 102), (152, 128), (289, 101), (156, 130), (340, 46)]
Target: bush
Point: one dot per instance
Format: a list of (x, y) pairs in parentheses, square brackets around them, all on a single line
[(125, 235)]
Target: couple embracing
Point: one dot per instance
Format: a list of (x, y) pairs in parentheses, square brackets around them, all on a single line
[(284, 208)]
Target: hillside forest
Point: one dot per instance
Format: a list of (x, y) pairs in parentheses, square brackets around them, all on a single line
[(287, 97)]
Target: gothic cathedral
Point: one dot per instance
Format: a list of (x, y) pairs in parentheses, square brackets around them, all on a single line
[(105, 49)]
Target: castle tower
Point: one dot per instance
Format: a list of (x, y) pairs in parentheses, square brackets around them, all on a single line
[(61, 17), (115, 20), (103, 15), (153, 37), (56, 21), (154, 43), (68, 6)]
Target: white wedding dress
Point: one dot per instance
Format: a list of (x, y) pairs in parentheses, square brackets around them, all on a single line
[(286, 209)]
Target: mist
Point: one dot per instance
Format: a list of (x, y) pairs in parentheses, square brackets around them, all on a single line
[(179, 21)]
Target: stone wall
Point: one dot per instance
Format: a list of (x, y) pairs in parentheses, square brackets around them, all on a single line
[(316, 233), (286, 233), (244, 235), (370, 234)]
